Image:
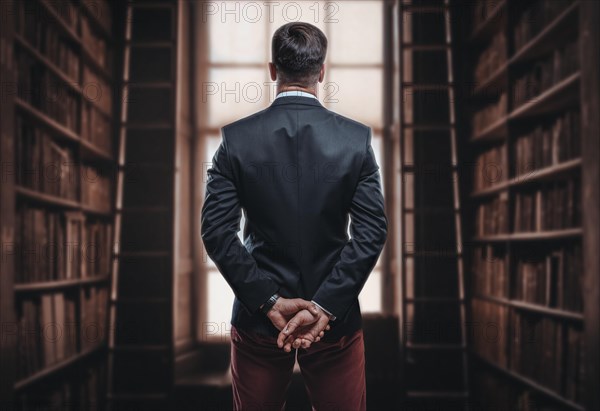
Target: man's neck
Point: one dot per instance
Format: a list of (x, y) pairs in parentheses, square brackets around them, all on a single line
[(295, 87)]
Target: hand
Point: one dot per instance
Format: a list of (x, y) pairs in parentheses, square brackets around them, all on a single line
[(303, 330), (285, 308)]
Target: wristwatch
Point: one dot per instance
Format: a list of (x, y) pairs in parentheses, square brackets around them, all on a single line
[(270, 303)]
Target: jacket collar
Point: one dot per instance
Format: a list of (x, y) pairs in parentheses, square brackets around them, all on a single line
[(296, 100)]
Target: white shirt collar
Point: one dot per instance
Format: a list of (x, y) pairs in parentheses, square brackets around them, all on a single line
[(295, 93)]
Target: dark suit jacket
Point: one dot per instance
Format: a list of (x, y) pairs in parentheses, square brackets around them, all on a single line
[(299, 172)]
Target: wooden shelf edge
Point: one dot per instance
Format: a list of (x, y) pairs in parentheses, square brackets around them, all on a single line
[(525, 109), (59, 284), (69, 82), (481, 27), (542, 173), (532, 307), (487, 134), (493, 78), (540, 37), (64, 26), (530, 383), (46, 198), (49, 122), (534, 176), (96, 151), (46, 372), (532, 236)]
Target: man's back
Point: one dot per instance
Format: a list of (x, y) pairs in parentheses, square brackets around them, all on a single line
[(296, 167)]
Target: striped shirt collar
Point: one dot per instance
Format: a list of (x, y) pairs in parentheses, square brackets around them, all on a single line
[(295, 93)]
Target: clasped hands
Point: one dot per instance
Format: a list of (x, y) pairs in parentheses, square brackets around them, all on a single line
[(300, 322)]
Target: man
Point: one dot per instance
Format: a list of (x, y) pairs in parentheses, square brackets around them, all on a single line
[(299, 171)]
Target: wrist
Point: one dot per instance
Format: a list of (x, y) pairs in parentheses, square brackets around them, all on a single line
[(270, 303)]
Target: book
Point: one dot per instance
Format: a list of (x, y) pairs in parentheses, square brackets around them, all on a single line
[(550, 206), (549, 70), (492, 216), (550, 143)]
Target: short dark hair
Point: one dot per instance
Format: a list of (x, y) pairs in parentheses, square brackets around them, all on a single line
[(298, 52)]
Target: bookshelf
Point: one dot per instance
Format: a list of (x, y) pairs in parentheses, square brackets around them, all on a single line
[(533, 270), (57, 201)]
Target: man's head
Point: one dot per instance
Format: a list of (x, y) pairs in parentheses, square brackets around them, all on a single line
[(298, 52)]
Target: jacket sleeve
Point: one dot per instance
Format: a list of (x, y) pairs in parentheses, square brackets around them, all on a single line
[(368, 230), (220, 223)]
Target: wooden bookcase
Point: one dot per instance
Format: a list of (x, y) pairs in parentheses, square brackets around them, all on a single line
[(57, 207), (530, 140)]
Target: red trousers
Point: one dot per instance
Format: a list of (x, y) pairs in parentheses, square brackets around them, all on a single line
[(334, 373)]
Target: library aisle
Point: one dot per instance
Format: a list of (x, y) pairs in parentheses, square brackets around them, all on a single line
[(486, 296)]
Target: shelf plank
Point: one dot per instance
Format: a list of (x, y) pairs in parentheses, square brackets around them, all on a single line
[(496, 131), (531, 307), (546, 173), (486, 27), (59, 284), (63, 25), (91, 151), (63, 133), (96, 211), (545, 40), (532, 236), (555, 98), (55, 126), (69, 82), (51, 370), (534, 176), (46, 198), (494, 81)]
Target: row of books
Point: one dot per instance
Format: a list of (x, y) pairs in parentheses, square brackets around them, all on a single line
[(96, 90), (482, 10), (553, 206), (492, 216), (497, 392), (542, 348), (94, 308), (548, 144), (535, 18), (491, 168), (95, 127), (95, 44), (491, 58), (548, 71), (48, 332), (40, 88), (552, 279), (77, 391), (44, 36), (490, 331), (548, 351), (488, 115), (50, 328), (95, 189), (42, 164), (54, 245), (488, 267)]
